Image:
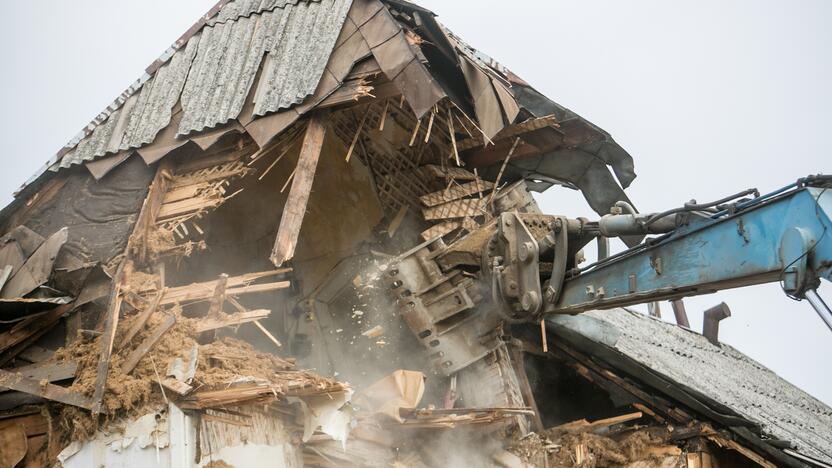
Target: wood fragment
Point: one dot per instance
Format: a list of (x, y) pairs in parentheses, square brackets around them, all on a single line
[(277, 159), (230, 320), (295, 206), (384, 115), (415, 132), (16, 381), (430, 125), (452, 133), (199, 291), (357, 134), (396, 221), (288, 180), (28, 328), (146, 345), (141, 319), (502, 169), (543, 338), (267, 333), (175, 386), (582, 425)]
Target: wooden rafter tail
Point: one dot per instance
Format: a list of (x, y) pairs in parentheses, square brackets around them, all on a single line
[(295, 207)]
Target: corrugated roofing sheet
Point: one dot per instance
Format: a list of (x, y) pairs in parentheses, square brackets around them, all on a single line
[(296, 40), (241, 8), (141, 117), (719, 372), (299, 53), (215, 71)]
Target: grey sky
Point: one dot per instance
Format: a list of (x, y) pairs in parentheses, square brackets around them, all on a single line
[(709, 97)]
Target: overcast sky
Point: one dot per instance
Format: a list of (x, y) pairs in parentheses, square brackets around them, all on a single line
[(710, 97)]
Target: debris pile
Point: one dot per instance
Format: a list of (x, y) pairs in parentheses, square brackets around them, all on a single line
[(278, 245)]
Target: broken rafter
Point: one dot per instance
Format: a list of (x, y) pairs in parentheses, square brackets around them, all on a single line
[(231, 320), (16, 381), (295, 206), (15, 340), (148, 343), (141, 319)]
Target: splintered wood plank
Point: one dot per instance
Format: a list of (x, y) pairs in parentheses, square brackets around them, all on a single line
[(148, 343), (440, 229), (53, 372), (28, 329), (455, 192), (295, 207), (17, 381), (231, 320), (141, 320), (457, 173), (456, 209)]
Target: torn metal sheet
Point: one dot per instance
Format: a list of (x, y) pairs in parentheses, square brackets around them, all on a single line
[(38, 268)]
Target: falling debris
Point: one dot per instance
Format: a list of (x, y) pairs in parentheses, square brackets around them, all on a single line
[(316, 246)]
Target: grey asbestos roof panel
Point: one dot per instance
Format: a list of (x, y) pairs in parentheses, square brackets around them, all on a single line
[(215, 71), (720, 373), (299, 53), (142, 116), (242, 8), (296, 41)]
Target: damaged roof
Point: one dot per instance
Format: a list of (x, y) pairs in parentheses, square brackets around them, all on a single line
[(719, 377), (255, 66)]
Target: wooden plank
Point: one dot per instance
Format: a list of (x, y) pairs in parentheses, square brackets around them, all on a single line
[(295, 207), (231, 320), (141, 319), (48, 391), (582, 425), (52, 372), (175, 386), (196, 294), (205, 290), (148, 343), (31, 326), (455, 192)]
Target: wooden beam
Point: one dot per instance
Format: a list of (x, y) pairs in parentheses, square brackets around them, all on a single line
[(141, 319), (52, 372), (31, 326), (148, 343), (295, 207), (231, 320), (16, 381)]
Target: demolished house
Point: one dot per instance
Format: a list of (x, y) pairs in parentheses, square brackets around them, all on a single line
[(267, 251)]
